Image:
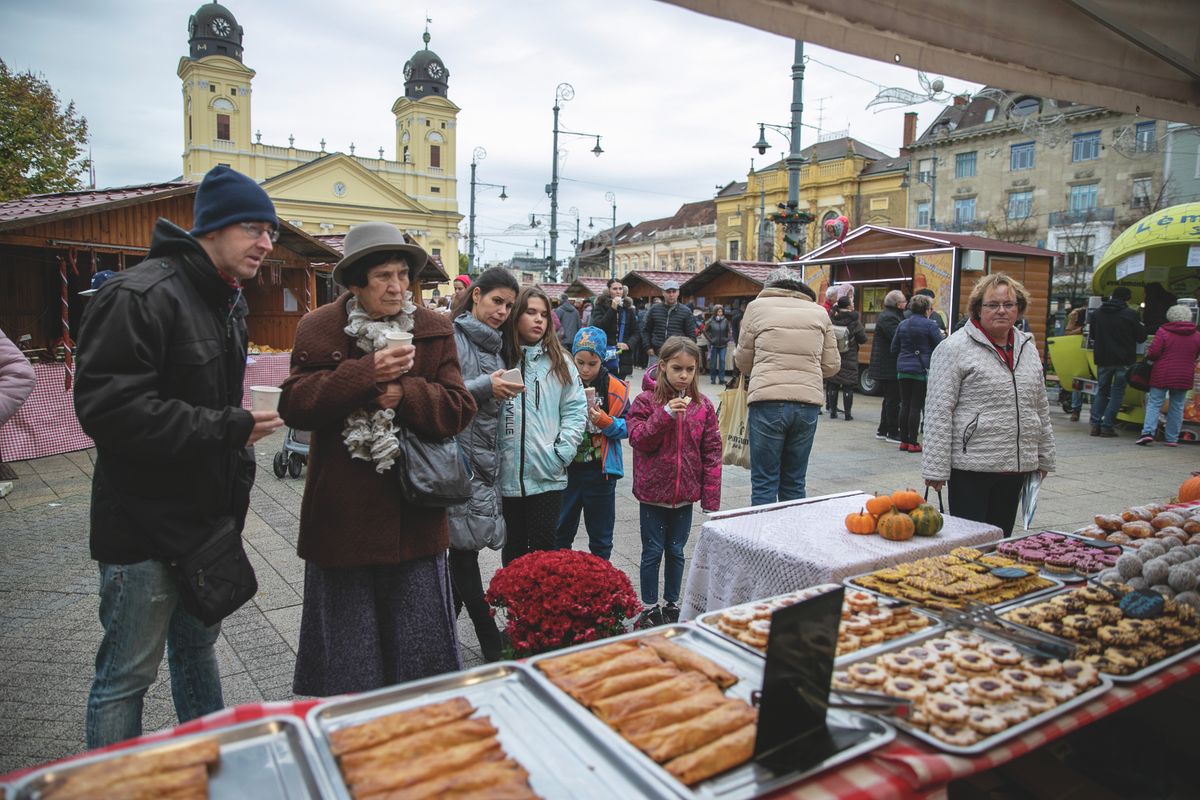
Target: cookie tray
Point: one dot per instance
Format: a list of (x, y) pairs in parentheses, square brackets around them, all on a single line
[(563, 758), (1133, 677), (269, 758), (749, 780), (709, 623), (1008, 734)]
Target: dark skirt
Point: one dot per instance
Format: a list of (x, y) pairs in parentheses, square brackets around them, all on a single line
[(364, 628)]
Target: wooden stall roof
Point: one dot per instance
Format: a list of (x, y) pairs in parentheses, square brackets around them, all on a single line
[(42, 208), (639, 280), (553, 290), (885, 241), (754, 271), (433, 273), (586, 287)]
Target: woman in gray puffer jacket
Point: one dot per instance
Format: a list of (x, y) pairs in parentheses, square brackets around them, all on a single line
[(482, 313)]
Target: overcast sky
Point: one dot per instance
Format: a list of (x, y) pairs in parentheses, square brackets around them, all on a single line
[(675, 95)]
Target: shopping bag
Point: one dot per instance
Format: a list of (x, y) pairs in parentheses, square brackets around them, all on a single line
[(733, 417)]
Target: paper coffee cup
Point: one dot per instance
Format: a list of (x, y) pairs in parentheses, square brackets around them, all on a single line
[(590, 394), (264, 398), (397, 338)]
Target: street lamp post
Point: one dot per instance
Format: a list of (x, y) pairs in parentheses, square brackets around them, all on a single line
[(612, 250), (478, 155), (792, 217), (562, 93)]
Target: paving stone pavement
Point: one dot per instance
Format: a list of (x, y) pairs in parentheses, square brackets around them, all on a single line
[(48, 605)]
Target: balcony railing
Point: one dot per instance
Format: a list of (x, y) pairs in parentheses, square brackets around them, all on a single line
[(1082, 216)]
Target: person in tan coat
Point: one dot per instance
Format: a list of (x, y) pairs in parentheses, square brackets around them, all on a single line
[(787, 347)]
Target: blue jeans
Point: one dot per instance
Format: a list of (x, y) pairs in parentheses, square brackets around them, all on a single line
[(716, 361), (1109, 394), (1154, 401), (781, 437), (588, 490), (140, 612), (663, 529)]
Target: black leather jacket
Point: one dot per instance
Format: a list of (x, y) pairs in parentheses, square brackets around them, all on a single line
[(158, 387), (663, 322)]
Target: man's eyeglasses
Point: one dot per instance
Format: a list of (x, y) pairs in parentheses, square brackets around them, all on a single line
[(998, 306), (257, 231)]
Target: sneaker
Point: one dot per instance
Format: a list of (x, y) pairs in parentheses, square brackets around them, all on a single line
[(914, 448), (1095, 431), (892, 439), (881, 437), (649, 618), (1170, 444), (670, 613), (1145, 440), (1108, 433), (1075, 416), (904, 446)]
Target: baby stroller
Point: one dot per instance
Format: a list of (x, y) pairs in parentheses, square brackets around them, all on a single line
[(294, 455)]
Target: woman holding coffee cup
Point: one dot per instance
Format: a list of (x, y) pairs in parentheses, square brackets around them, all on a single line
[(377, 598)]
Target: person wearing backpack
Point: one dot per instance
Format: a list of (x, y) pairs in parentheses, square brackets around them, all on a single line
[(850, 334)]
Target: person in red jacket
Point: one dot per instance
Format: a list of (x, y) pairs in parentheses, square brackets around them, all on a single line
[(1174, 351)]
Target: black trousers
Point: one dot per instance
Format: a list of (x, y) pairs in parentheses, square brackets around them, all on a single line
[(989, 497), (889, 414), (465, 580), (531, 522), (912, 403)]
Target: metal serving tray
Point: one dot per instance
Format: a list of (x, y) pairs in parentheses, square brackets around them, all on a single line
[(709, 623), (267, 759), (1133, 677), (563, 759), (988, 742), (749, 780)]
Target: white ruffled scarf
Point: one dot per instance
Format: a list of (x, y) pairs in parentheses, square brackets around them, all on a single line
[(370, 434)]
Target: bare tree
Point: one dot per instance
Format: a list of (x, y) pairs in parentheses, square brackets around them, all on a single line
[(1014, 230)]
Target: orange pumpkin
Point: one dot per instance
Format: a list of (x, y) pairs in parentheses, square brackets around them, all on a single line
[(906, 499), (1189, 490), (879, 505), (861, 523), (896, 526)]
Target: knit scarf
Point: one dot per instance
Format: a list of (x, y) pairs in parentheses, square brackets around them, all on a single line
[(369, 434)]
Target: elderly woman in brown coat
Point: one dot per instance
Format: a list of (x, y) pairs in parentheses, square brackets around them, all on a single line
[(377, 601)]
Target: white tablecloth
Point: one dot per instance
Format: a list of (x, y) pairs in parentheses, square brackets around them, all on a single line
[(744, 558)]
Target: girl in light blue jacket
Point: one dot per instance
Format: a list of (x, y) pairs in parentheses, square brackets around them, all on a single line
[(540, 428)]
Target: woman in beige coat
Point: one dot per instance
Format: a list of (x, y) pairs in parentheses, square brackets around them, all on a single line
[(787, 347)]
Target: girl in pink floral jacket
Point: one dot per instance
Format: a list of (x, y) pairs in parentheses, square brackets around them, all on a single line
[(676, 462)]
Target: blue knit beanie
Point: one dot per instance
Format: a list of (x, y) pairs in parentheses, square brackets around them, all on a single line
[(593, 339), (226, 197)]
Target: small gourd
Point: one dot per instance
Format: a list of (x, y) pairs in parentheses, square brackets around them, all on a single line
[(906, 499), (879, 505), (896, 526), (1189, 490), (861, 523), (927, 520)]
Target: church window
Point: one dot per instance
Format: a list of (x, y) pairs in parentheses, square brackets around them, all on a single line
[(212, 87), (405, 154), (426, 123), (223, 127), (443, 126), (189, 127), (435, 155), (233, 91), (435, 189), (437, 252)]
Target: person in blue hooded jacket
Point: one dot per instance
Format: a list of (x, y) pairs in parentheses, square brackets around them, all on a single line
[(913, 347), (540, 428)]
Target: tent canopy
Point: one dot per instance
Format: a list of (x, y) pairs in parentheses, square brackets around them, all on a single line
[(1156, 249), (1138, 58)]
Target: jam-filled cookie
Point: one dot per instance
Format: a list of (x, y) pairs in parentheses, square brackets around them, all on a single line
[(1036, 703), (933, 679), (974, 661), (900, 664), (1022, 680), (925, 655), (945, 648), (1043, 667), (963, 736), (1003, 654), (964, 639), (905, 688), (1080, 673), (867, 674), (1012, 712), (990, 690), (1058, 691), (985, 721), (945, 709)]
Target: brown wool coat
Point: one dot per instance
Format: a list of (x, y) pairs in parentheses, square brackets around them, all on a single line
[(352, 515)]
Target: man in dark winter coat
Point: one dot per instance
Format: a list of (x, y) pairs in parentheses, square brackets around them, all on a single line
[(855, 335), (1117, 332), (882, 368), (933, 315), (666, 319), (615, 315), (568, 315), (162, 354)]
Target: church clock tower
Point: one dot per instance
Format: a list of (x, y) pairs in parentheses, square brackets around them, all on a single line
[(426, 131), (216, 95)]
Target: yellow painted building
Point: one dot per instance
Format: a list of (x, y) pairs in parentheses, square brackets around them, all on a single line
[(325, 192), (840, 176)]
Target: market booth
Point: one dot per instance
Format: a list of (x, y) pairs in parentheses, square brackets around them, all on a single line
[(726, 282), (877, 259), (1158, 259), (645, 285), (586, 288), (51, 245)]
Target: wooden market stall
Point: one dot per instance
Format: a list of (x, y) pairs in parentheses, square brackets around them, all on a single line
[(728, 282), (585, 288), (641, 284)]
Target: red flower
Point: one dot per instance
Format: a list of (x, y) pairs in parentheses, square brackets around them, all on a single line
[(557, 598)]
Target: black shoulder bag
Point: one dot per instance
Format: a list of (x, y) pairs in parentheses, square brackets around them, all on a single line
[(431, 474), (216, 578)]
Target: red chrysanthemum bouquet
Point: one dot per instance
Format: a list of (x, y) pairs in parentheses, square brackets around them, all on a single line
[(557, 598)]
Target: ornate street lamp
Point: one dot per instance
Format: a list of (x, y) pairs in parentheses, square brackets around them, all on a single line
[(562, 93), (793, 217), (479, 154)]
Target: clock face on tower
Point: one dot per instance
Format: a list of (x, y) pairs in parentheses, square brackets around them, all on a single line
[(221, 26), (408, 70), (435, 70)]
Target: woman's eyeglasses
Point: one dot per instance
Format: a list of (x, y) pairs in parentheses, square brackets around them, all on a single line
[(998, 306)]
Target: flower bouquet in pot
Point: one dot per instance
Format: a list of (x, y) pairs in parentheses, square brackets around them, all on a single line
[(558, 598)]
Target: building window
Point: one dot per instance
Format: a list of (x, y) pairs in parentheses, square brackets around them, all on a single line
[(707, 260), (1083, 198), (223, 127), (212, 88), (1021, 156), (879, 204), (733, 249), (924, 170), (233, 91), (964, 211), (677, 261), (1085, 146), (964, 165), (435, 189), (923, 214), (435, 155), (1145, 139), (691, 263), (1020, 205), (437, 252), (1142, 192), (1080, 255)]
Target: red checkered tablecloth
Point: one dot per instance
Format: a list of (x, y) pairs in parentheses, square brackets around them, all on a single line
[(906, 768), (46, 424)]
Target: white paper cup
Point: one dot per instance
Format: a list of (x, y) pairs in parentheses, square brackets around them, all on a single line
[(590, 394), (264, 398), (397, 338)]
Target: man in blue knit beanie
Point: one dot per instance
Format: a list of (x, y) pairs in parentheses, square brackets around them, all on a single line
[(158, 387)]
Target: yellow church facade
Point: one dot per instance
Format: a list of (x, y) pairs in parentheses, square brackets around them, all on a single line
[(326, 192)]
